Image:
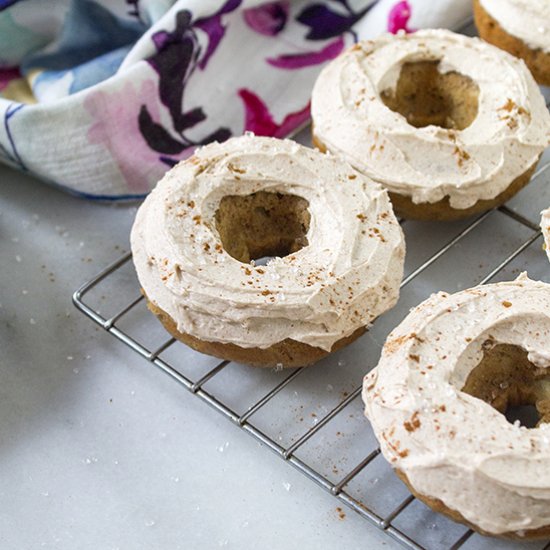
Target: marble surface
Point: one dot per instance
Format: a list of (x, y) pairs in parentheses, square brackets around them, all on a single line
[(97, 449)]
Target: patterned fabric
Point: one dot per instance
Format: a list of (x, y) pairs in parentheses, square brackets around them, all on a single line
[(101, 97)]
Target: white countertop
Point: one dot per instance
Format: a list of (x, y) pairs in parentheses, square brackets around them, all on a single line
[(98, 449)]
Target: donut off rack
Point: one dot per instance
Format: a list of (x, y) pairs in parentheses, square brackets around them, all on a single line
[(319, 427)]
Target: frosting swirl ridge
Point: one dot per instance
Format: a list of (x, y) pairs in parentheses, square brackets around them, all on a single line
[(347, 275)]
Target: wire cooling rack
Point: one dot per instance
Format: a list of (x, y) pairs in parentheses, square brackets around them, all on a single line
[(508, 237), (318, 425)]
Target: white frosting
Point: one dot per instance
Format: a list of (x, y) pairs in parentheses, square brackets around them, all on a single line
[(450, 444), (348, 274), (505, 139), (545, 226), (528, 20)]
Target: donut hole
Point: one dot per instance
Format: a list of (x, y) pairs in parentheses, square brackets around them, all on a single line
[(262, 225), (513, 385), (426, 97), (527, 415)]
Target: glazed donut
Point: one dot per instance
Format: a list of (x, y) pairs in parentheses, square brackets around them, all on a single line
[(437, 397), (545, 226), (337, 252), (521, 27), (449, 125)]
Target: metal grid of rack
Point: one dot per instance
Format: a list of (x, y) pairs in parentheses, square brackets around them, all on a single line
[(348, 477)]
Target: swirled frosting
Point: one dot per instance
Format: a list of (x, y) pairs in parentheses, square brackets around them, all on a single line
[(528, 20), (347, 275), (450, 444), (545, 226), (511, 129)]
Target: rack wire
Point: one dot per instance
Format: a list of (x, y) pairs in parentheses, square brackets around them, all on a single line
[(412, 529)]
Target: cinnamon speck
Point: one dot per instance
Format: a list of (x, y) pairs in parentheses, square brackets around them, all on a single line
[(412, 424), (508, 106), (234, 168), (462, 155)]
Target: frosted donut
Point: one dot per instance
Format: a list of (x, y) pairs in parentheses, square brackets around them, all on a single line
[(337, 252), (545, 226), (449, 125), (521, 27), (437, 397)]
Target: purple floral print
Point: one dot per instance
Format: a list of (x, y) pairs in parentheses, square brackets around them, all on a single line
[(177, 56), (324, 22), (134, 156), (306, 59), (398, 18), (268, 19), (259, 120), (175, 75), (7, 75), (214, 28)]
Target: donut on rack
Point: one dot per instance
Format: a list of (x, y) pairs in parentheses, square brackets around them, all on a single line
[(336, 251), (545, 226), (450, 125), (521, 27), (437, 399)]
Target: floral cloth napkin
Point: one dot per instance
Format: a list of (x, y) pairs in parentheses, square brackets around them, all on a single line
[(101, 97)]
